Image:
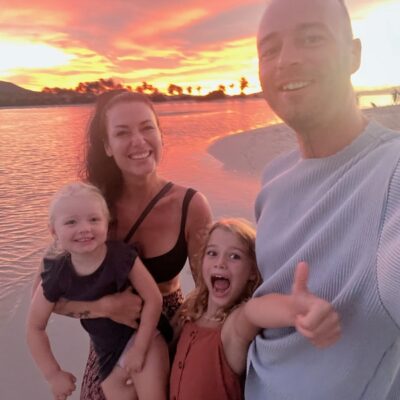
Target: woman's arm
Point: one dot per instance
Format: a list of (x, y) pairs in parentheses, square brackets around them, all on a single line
[(312, 316), (61, 382), (124, 307), (198, 222), (148, 290)]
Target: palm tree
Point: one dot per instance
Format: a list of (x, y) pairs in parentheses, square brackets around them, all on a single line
[(244, 83), (174, 88), (395, 95), (146, 88)]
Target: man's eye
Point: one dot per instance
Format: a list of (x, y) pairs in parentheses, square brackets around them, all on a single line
[(270, 49), (313, 39), (270, 52)]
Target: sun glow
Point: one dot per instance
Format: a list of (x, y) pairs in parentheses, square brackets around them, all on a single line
[(18, 55), (60, 46), (380, 37)]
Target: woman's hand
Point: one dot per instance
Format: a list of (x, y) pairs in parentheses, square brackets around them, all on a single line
[(124, 307)]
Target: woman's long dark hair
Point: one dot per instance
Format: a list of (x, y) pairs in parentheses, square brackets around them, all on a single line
[(98, 168)]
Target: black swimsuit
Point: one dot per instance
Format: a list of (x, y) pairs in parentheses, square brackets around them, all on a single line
[(166, 266)]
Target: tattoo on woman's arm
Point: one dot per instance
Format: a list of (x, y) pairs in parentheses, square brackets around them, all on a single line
[(80, 315)]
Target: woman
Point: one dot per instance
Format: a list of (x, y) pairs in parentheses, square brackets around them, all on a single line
[(165, 221)]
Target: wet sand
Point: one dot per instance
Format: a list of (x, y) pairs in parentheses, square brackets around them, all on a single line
[(251, 151)]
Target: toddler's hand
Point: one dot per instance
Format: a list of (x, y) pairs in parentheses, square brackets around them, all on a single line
[(135, 359), (318, 321), (62, 384)]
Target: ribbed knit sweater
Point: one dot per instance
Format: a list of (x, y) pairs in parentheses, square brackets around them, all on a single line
[(341, 214)]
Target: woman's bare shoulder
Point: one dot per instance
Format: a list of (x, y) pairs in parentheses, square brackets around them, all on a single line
[(197, 203)]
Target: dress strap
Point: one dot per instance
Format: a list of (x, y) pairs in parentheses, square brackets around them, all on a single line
[(148, 208)]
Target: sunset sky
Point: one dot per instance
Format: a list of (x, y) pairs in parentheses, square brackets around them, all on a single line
[(185, 42)]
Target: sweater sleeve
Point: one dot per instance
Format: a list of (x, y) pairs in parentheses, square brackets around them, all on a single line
[(388, 257)]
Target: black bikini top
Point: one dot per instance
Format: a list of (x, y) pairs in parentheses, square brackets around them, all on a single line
[(166, 266)]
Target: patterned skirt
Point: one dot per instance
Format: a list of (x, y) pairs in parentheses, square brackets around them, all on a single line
[(91, 389)]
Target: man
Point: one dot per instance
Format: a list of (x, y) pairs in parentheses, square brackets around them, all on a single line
[(335, 203)]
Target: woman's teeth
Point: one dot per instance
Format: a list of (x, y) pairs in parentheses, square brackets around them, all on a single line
[(139, 156)]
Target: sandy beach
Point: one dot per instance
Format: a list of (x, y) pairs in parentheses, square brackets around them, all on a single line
[(246, 152), (251, 151)]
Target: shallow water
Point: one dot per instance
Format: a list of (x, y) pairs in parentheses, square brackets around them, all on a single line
[(41, 149)]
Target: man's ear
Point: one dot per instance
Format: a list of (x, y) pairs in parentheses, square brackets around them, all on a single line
[(356, 55)]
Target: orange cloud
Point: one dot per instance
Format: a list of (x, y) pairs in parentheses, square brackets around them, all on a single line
[(189, 42), (171, 23)]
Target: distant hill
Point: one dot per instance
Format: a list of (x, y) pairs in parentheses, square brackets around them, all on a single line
[(12, 95), (12, 89)]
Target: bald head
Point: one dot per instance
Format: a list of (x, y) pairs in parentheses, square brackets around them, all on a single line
[(336, 9), (346, 19)]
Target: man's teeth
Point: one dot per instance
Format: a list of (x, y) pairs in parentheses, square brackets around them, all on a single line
[(139, 156), (295, 85)]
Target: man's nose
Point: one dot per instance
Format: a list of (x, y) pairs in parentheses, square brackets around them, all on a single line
[(290, 54)]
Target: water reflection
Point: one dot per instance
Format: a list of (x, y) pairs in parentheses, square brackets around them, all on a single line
[(42, 149)]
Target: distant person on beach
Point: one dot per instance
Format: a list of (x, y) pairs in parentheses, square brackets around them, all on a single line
[(217, 321), (335, 203), (164, 221), (88, 268)]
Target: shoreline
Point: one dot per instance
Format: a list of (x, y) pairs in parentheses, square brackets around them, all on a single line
[(250, 151)]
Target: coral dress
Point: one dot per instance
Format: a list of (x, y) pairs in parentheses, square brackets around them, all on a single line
[(200, 370)]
